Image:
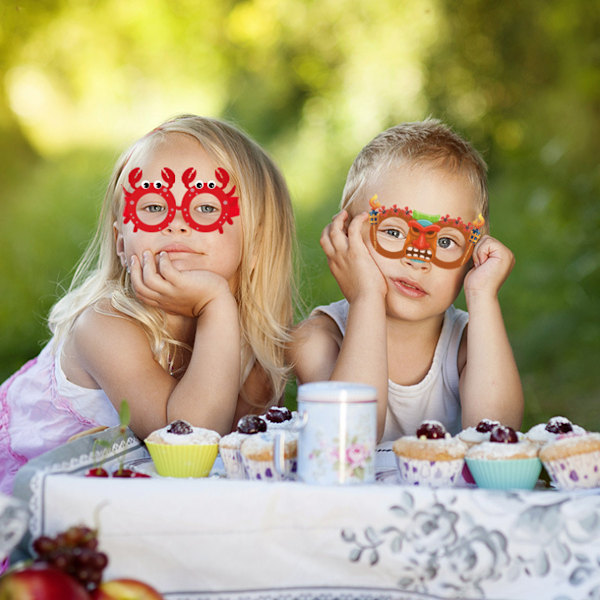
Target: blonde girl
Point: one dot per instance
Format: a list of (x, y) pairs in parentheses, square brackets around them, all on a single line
[(182, 319)]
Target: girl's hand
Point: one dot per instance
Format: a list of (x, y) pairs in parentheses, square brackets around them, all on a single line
[(349, 259), (158, 283), (492, 264)]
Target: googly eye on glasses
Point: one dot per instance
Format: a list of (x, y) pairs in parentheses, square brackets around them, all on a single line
[(446, 242), (206, 205)]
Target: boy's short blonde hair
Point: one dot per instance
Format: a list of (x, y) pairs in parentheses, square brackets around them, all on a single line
[(427, 142)]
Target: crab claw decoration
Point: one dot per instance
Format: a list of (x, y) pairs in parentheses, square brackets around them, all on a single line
[(229, 202)]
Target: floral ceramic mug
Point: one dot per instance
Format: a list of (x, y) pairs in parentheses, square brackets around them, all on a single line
[(337, 432)]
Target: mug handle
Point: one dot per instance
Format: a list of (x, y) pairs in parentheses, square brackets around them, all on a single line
[(279, 444)]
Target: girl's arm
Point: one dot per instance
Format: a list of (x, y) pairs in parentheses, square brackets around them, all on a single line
[(317, 351), (490, 386), (114, 351)]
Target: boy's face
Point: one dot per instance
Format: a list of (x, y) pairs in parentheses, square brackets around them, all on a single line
[(418, 289)]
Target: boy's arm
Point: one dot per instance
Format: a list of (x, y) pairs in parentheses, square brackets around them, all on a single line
[(490, 386), (318, 352)]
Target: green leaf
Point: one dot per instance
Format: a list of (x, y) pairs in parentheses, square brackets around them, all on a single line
[(124, 414)]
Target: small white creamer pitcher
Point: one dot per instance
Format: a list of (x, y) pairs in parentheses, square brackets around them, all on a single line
[(337, 432)]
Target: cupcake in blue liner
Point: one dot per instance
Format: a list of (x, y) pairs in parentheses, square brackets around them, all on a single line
[(431, 458), (504, 462), (573, 460)]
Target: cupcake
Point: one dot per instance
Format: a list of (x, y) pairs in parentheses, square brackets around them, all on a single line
[(431, 458), (181, 450), (573, 460), (229, 445), (258, 456), (505, 461), (543, 433)]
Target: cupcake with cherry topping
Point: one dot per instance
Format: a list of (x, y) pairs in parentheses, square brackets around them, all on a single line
[(572, 460), (229, 445), (181, 450), (505, 461), (258, 455), (543, 433), (431, 458)]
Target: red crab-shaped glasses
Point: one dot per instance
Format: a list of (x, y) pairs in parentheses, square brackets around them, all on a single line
[(446, 242), (205, 206)]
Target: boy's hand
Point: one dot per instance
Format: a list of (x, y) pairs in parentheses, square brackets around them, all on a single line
[(158, 283), (492, 264), (349, 259)]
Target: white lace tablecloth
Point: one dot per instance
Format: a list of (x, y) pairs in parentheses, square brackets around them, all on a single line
[(221, 539)]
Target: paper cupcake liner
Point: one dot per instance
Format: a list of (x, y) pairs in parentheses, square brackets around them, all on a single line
[(518, 473), (441, 473), (264, 470), (232, 461), (194, 460), (577, 471)]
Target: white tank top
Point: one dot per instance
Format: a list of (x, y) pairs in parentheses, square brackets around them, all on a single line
[(436, 396)]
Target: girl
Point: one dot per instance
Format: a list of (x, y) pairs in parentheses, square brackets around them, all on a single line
[(179, 306)]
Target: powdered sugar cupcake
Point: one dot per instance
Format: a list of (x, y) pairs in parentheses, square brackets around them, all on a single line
[(181, 450), (258, 456), (504, 462), (431, 458), (543, 433), (573, 460), (229, 445)]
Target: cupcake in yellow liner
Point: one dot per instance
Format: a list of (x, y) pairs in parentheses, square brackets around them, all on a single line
[(258, 456), (431, 458), (505, 461), (181, 450), (573, 460), (229, 445), (543, 433)]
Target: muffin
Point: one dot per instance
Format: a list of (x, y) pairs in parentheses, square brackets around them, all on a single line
[(572, 460), (431, 458), (229, 445), (543, 433), (258, 456), (181, 450), (505, 461)]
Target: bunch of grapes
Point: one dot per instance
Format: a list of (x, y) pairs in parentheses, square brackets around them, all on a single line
[(75, 552)]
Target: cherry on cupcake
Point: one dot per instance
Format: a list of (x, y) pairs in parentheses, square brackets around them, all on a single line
[(431, 430), (278, 414), (559, 425), (180, 427), (251, 424), (503, 434), (486, 425)]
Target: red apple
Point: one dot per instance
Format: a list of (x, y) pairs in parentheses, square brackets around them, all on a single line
[(40, 582), (125, 589)]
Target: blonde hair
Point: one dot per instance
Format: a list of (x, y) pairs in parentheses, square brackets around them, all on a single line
[(427, 142), (265, 277)]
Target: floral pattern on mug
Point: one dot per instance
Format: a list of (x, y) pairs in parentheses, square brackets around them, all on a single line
[(353, 465)]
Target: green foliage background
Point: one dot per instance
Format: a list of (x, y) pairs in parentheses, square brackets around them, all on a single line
[(313, 81)]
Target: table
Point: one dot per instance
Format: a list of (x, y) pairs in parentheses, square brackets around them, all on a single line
[(221, 539)]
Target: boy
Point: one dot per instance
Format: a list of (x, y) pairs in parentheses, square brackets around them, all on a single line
[(411, 233)]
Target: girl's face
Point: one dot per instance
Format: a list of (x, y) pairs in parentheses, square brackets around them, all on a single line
[(416, 289), (188, 248)]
